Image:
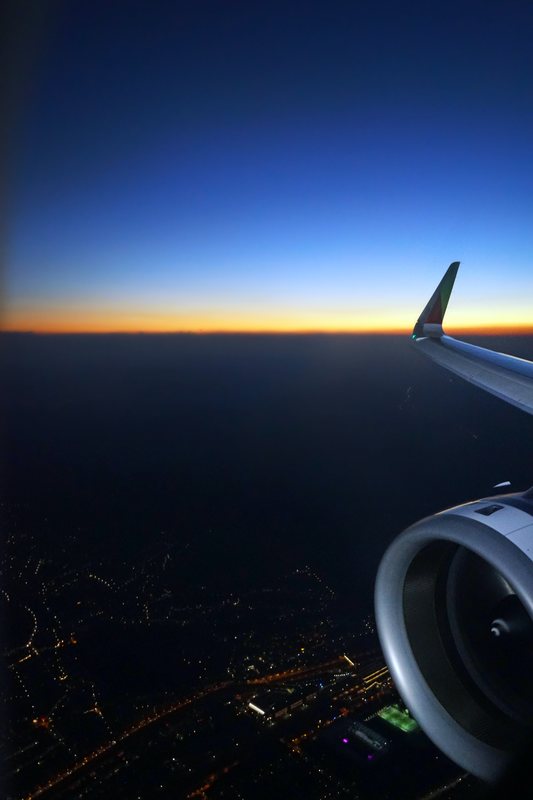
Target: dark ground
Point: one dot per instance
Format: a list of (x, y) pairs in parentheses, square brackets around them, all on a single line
[(269, 450)]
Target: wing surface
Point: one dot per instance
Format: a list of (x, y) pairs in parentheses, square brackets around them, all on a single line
[(506, 377)]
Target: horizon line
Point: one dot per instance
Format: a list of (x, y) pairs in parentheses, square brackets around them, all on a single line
[(480, 330)]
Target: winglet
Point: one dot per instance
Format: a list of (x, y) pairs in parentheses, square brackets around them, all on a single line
[(429, 322)]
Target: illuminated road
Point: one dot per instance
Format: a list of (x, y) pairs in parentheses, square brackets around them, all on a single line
[(295, 673), (367, 682), (210, 780), (138, 726)]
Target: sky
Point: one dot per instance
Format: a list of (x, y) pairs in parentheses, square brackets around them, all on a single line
[(270, 166)]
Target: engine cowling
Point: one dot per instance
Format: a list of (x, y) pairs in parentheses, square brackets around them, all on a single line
[(454, 612)]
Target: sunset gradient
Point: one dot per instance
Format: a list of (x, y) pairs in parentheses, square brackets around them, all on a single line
[(171, 174), (83, 317)]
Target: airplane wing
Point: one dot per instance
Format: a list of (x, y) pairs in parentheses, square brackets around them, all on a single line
[(506, 377)]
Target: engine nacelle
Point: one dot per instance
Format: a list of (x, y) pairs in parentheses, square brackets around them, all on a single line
[(454, 611)]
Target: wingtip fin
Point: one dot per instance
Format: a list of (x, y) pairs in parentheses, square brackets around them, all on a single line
[(430, 320)]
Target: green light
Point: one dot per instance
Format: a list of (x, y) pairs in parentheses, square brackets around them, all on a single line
[(398, 718)]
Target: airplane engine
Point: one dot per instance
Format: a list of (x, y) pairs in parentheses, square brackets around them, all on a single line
[(454, 612)]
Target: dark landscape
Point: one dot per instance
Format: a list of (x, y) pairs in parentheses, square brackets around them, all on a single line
[(193, 523)]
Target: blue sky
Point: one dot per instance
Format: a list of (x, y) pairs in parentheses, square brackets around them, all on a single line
[(205, 165)]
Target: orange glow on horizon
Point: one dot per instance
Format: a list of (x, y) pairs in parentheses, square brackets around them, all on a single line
[(92, 318), (473, 330)]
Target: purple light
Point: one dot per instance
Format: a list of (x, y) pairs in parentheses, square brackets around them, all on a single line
[(345, 741), (370, 757)]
